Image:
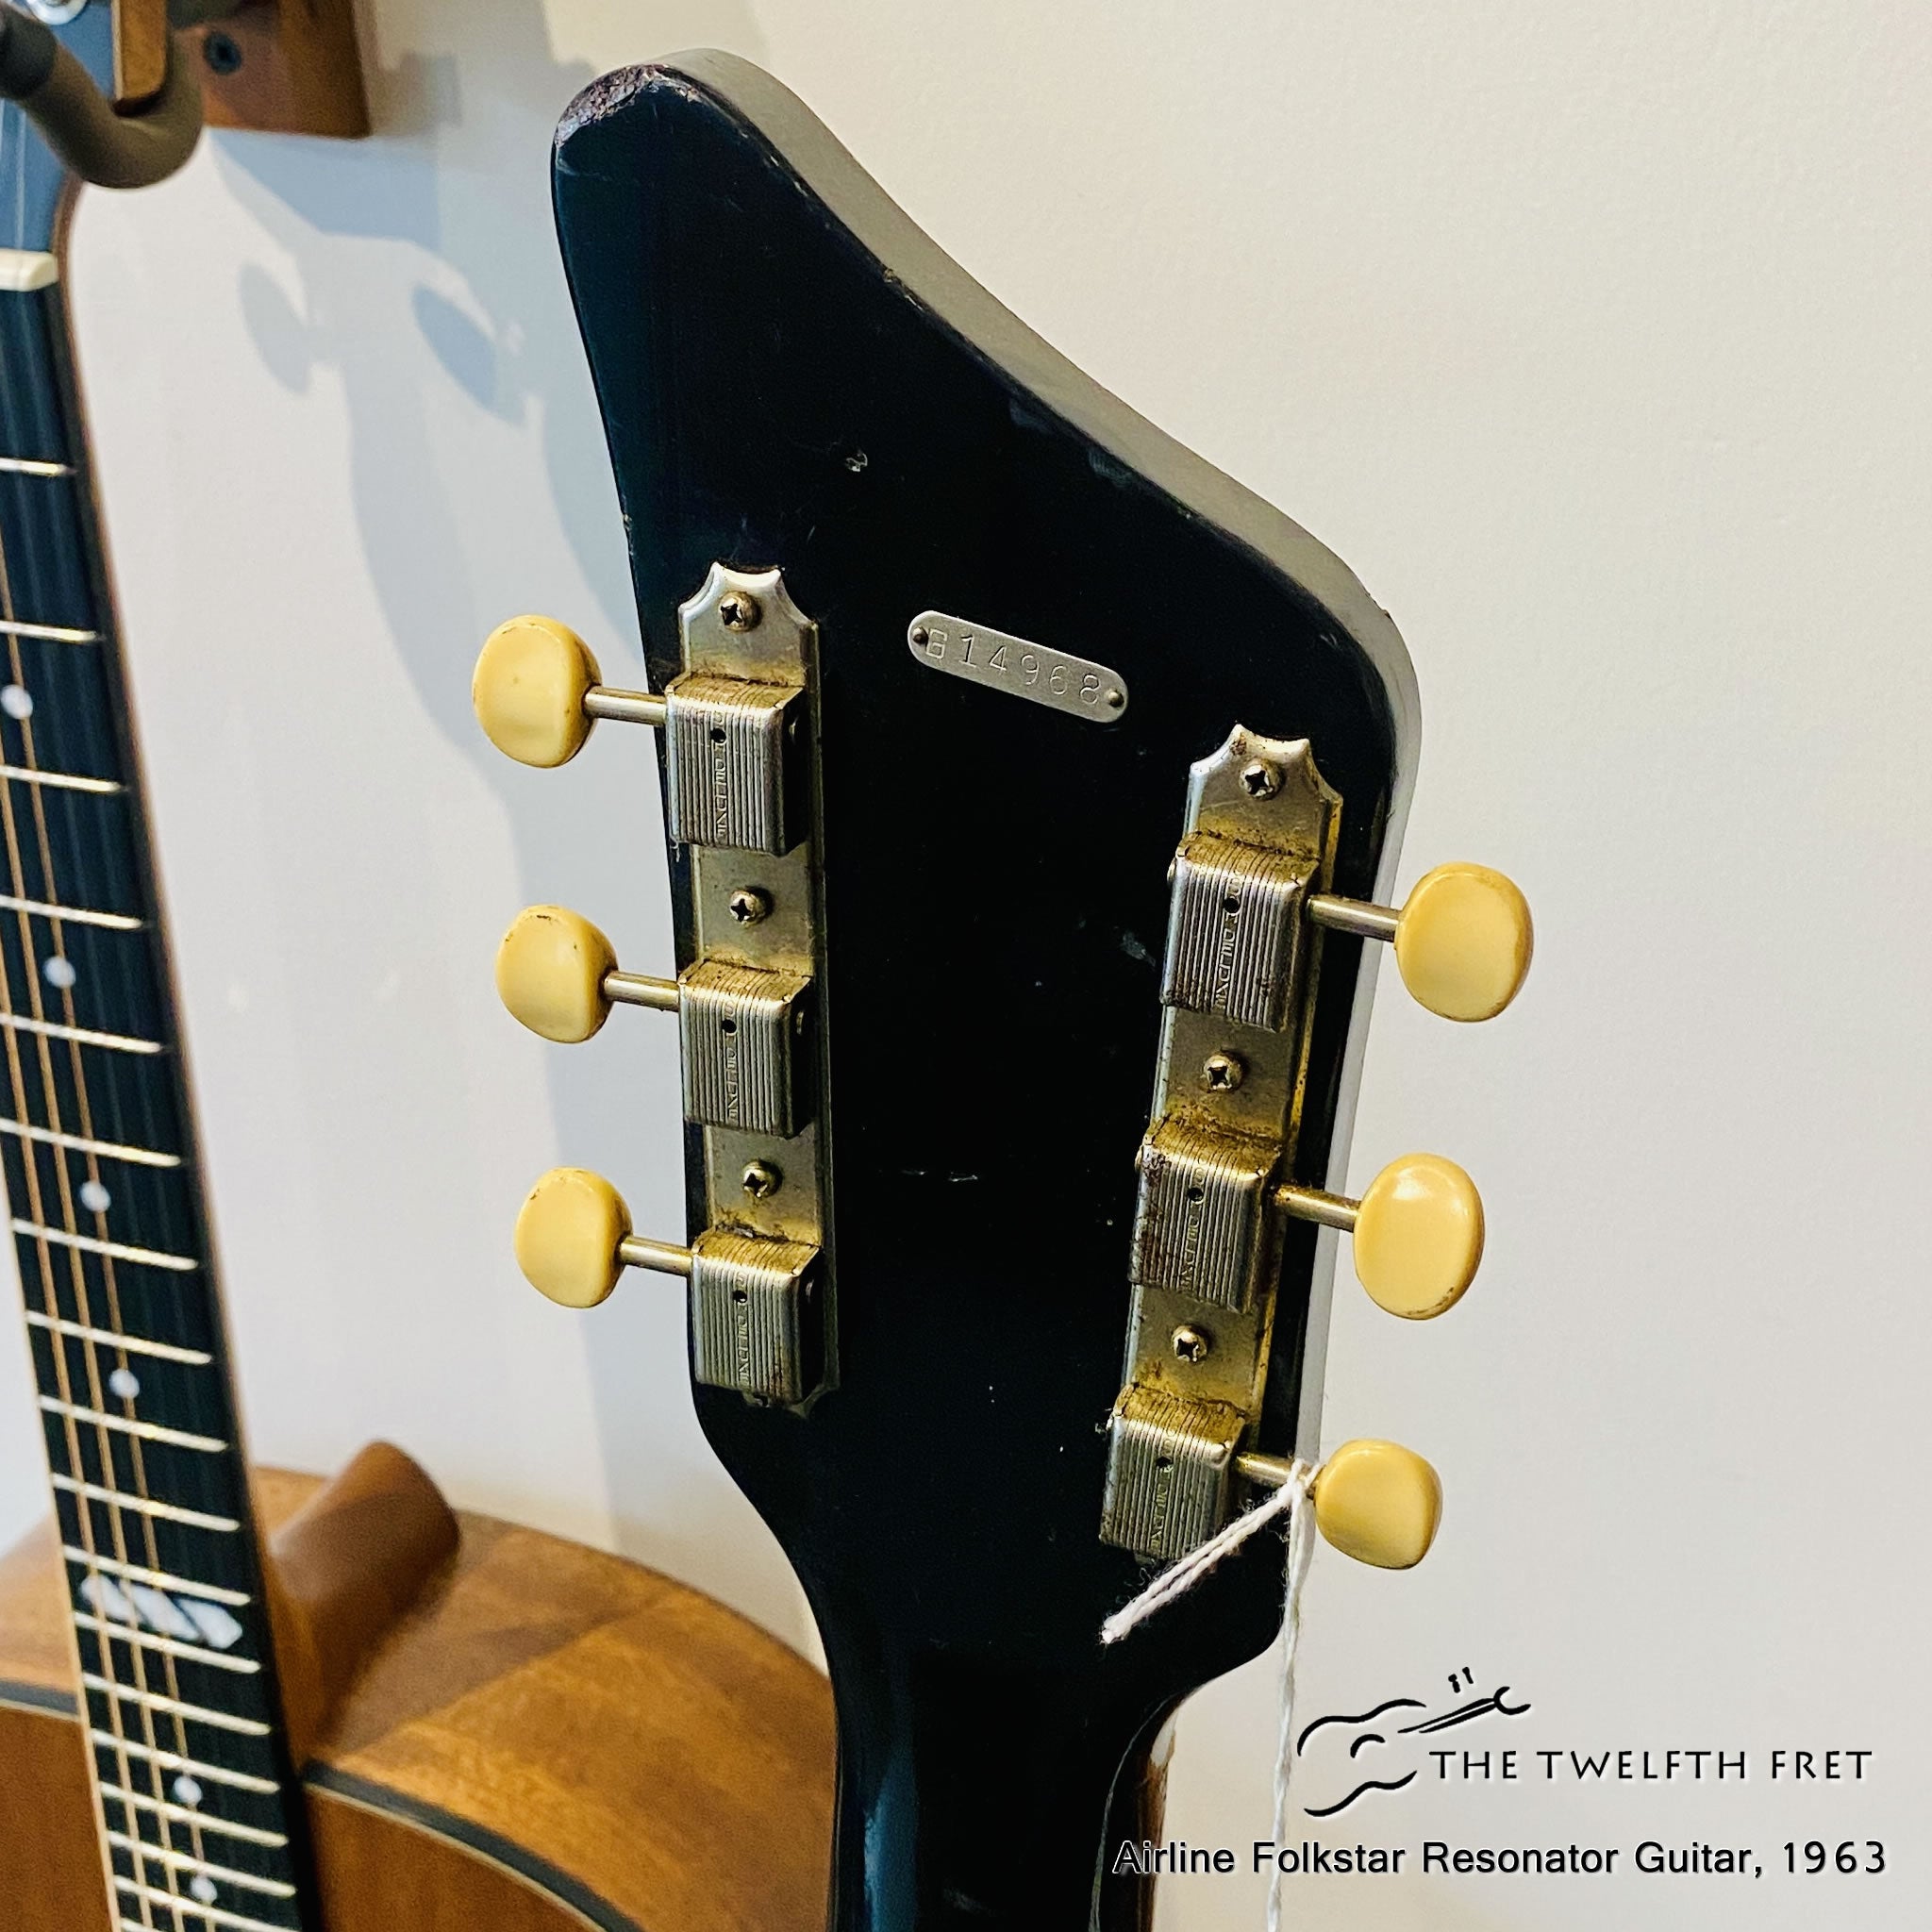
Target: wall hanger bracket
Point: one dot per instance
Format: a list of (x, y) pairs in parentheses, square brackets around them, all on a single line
[(277, 66)]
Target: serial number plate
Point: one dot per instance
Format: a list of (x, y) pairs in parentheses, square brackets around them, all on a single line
[(1011, 664)]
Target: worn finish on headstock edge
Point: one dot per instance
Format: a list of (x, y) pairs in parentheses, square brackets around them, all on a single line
[(791, 376)]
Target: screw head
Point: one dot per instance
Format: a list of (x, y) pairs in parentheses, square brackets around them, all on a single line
[(748, 904), (1191, 1344), (761, 1180), (921, 635), (1260, 779), (738, 610), (1113, 697), (1222, 1072)]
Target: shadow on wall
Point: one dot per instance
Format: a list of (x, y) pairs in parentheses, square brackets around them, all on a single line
[(460, 171)]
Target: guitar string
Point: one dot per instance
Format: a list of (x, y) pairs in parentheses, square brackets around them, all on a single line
[(1301, 1547), (40, 1045), (177, 1906), (1293, 1499), (84, 1107), (15, 129), (138, 1453), (83, 1508)]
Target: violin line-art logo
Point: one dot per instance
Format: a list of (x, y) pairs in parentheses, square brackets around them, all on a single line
[(1371, 1751)]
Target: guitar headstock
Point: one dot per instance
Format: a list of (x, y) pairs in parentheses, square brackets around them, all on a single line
[(1031, 791)]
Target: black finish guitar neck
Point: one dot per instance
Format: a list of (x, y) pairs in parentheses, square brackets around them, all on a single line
[(105, 1198)]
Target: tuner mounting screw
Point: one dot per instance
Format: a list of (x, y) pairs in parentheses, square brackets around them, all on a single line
[(748, 904), (761, 1180), (1192, 1344), (1260, 779), (738, 610), (1222, 1072)]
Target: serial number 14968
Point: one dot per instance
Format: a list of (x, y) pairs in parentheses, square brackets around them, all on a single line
[(994, 658)]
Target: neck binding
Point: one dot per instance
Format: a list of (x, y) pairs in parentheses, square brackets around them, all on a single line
[(197, 1802)]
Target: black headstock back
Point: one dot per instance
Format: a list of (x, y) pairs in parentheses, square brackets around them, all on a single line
[(794, 377)]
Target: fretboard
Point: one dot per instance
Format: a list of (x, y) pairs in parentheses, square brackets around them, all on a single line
[(199, 1815)]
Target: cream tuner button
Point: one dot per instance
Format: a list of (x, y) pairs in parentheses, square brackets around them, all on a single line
[(529, 690), (568, 1235), (1463, 939), (550, 972), (1378, 1502), (536, 693), (573, 1240), (1418, 1232), (558, 974)]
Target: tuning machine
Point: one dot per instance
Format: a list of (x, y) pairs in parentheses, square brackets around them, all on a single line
[(1463, 938), (1249, 902), (754, 1319), (1175, 1465), (733, 720), (740, 763), (744, 1034)]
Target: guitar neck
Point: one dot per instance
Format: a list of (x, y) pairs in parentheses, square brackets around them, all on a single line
[(971, 1793), (104, 1191)]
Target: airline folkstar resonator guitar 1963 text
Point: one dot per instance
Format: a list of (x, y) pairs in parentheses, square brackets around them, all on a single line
[(550, 1737), (1030, 789)]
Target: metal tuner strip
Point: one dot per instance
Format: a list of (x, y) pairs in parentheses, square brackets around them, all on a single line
[(1249, 902), (741, 762)]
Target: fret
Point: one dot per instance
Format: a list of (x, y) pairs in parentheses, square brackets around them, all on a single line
[(169, 1646), (146, 1506), (73, 915), (112, 1338), (252, 1821), (33, 466), (85, 1036), (160, 1579), (100, 978), (79, 1144), (69, 781), (193, 1908), (174, 1760), (174, 1706), (201, 1821), (128, 1425), (159, 1479), (152, 1305), (175, 1549), (186, 1861), (116, 1251), (47, 633), (128, 1098)]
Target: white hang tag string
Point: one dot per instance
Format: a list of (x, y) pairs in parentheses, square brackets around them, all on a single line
[(1293, 1500)]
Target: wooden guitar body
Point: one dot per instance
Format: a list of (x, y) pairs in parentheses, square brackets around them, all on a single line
[(552, 1738)]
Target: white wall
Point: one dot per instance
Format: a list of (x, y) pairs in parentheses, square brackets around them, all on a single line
[(1596, 338)]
